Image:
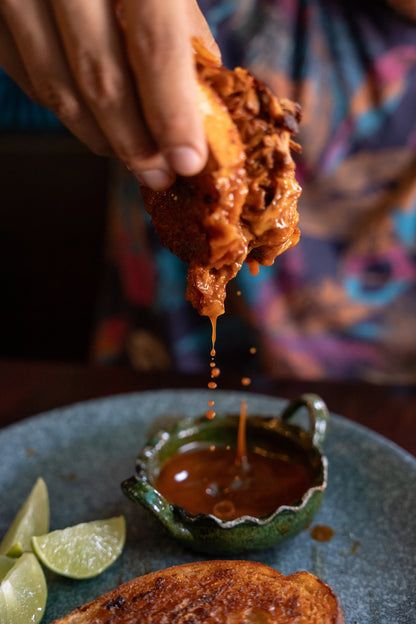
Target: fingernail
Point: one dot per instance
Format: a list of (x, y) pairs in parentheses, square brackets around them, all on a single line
[(185, 160), (157, 179)]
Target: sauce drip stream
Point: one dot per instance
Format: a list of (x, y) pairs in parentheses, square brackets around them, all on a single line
[(241, 435), (210, 414)]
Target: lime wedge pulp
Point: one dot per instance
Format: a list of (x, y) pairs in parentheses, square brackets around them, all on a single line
[(84, 550), (6, 563), (31, 519), (23, 592)]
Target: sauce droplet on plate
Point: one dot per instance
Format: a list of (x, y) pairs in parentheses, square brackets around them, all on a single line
[(322, 533)]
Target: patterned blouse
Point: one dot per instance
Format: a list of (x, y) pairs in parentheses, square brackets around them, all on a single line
[(342, 303)]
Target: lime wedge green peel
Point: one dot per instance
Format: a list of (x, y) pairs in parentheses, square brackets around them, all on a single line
[(84, 550), (31, 519), (23, 591)]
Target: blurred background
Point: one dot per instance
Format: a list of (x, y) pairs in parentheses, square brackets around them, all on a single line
[(53, 198)]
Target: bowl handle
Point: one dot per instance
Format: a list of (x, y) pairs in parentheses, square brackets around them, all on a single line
[(140, 491), (318, 416)]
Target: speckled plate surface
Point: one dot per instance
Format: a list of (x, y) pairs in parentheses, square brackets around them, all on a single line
[(84, 451)]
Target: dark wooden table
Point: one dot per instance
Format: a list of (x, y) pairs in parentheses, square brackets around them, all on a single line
[(28, 388)]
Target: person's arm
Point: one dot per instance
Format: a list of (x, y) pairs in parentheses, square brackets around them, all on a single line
[(127, 91)]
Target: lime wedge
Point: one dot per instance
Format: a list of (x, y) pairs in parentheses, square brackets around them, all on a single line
[(23, 592), (31, 519), (84, 550), (6, 563)]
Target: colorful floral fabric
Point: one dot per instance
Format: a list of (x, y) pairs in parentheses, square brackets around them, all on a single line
[(342, 303)]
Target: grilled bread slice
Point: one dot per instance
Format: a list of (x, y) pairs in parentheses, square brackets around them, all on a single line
[(214, 592)]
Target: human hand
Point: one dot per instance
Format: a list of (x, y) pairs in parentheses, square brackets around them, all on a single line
[(119, 76)]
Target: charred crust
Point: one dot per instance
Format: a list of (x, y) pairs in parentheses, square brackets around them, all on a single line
[(215, 591), (115, 603)]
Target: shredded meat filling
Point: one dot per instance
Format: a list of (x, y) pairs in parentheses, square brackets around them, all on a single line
[(243, 206)]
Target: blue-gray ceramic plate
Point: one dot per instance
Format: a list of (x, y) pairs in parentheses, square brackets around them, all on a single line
[(84, 452)]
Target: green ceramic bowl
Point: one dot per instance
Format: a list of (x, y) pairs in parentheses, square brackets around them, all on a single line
[(206, 532)]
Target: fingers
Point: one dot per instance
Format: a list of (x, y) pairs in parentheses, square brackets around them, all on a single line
[(11, 62), (131, 92), (35, 37), (159, 48), (95, 51)]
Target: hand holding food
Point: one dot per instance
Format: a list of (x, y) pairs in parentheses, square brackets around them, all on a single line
[(242, 206), (119, 75)]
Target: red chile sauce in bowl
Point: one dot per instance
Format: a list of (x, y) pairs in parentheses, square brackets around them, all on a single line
[(215, 481), (220, 491), (231, 482)]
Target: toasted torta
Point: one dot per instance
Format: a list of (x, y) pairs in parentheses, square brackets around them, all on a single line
[(214, 592)]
